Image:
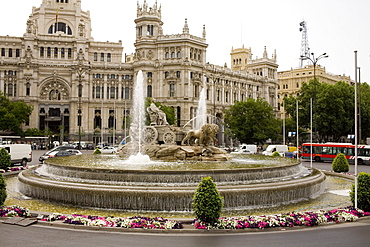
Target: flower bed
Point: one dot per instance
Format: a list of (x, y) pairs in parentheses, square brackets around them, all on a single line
[(286, 220), (126, 222), (243, 222), (14, 211)]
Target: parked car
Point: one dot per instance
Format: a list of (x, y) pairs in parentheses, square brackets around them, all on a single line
[(108, 150), (60, 148), (90, 146), (59, 153)]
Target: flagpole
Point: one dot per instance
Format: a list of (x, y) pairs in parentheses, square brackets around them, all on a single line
[(356, 139)]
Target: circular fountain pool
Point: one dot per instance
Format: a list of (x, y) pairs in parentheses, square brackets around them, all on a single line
[(108, 182)]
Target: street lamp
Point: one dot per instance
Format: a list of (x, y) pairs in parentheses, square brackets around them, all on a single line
[(314, 60)]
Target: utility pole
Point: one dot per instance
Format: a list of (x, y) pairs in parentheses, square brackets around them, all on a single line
[(305, 50)]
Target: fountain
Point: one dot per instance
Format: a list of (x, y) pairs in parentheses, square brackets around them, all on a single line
[(201, 115), (143, 186)]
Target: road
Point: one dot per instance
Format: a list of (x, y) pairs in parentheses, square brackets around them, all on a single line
[(344, 234)]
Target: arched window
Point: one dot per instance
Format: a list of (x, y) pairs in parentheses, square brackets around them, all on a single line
[(178, 54), (55, 52), (62, 53), (173, 55), (101, 57), (3, 52), (178, 74), (60, 27), (95, 56), (108, 57), (17, 53), (10, 52), (167, 55)]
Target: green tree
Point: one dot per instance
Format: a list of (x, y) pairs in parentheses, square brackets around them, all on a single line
[(364, 110), (363, 192), (33, 132), (335, 111), (332, 108), (2, 190), (207, 202), (340, 163), (13, 114), (5, 159), (252, 121)]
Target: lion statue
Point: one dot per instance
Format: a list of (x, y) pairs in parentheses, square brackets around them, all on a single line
[(204, 136)]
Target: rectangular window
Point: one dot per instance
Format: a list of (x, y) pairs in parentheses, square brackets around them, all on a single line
[(172, 90), (127, 93)]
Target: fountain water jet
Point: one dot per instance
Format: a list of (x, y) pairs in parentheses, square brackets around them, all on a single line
[(201, 113), (138, 120)]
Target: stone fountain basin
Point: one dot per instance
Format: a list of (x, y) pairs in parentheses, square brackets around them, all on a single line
[(163, 190)]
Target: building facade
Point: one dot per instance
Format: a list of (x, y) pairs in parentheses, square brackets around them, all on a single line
[(82, 89)]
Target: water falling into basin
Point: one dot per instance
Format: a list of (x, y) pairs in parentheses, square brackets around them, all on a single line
[(138, 120), (201, 114)]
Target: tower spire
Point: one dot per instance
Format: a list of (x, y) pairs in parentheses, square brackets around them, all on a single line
[(185, 30)]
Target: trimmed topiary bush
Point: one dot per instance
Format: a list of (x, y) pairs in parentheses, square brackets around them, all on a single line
[(276, 154), (340, 164), (2, 190), (97, 151), (5, 159), (207, 202), (363, 191)]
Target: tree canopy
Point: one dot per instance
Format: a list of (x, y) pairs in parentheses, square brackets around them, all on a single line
[(13, 114), (252, 121), (333, 109)]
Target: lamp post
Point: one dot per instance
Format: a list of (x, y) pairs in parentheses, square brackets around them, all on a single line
[(80, 71), (314, 60)]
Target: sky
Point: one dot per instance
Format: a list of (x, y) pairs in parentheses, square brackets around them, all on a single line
[(335, 27)]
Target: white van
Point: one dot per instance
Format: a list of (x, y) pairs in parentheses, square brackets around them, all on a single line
[(279, 148), (19, 153), (251, 147)]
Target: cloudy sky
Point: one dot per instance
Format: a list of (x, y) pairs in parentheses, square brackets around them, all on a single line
[(337, 27)]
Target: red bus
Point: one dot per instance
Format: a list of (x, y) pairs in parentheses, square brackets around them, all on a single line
[(328, 151)]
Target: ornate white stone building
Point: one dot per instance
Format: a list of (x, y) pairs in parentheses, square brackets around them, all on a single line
[(86, 86)]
